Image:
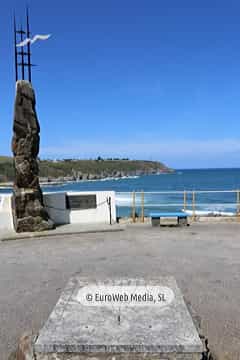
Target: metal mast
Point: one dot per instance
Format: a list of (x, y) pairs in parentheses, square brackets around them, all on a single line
[(19, 36), (15, 49), (29, 50)]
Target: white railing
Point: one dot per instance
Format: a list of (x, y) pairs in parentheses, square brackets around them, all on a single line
[(196, 202)]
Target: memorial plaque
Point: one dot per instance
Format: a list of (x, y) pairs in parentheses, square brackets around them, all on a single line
[(81, 202)]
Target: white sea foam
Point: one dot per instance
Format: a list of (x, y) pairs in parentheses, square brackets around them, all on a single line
[(208, 213)]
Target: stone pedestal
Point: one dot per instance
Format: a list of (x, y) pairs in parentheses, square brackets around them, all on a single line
[(27, 203), (75, 331)]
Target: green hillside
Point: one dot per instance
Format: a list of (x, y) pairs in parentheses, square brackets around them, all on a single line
[(6, 169), (79, 169)]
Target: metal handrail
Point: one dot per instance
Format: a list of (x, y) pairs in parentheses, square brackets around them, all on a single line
[(177, 204), (178, 192)]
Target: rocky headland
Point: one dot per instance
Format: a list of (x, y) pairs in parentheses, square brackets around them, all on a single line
[(64, 170)]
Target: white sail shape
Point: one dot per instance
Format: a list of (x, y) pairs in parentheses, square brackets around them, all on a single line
[(40, 37), (33, 40), (24, 42)]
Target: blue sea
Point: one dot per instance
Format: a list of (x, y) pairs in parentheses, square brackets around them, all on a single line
[(188, 180)]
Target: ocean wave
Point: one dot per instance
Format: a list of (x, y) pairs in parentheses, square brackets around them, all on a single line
[(208, 213)]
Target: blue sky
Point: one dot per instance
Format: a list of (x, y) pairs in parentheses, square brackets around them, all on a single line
[(158, 80)]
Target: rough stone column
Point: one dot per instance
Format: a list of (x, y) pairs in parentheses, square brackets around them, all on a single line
[(27, 203)]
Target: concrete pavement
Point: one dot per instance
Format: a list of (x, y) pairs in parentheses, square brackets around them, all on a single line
[(204, 259)]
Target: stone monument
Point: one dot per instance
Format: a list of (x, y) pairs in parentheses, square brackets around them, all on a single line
[(27, 202), (80, 330)]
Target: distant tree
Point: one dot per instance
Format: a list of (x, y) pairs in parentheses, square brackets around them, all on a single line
[(99, 158)]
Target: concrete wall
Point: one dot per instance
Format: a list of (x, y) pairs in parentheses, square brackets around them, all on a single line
[(98, 215), (55, 204), (6, 219)]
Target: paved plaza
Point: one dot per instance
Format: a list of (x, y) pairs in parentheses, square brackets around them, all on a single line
[(204, 258)]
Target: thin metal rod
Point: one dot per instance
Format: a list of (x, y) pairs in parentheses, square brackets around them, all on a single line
[(238, 202), (185, 200), (193, 205), (180, 192), (15, 49), (180, 205), (134, 207), (29, 49), (22, 54), (142, 205)]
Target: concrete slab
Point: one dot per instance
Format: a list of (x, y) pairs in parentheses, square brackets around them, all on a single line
[(76, 329), (68, 229)]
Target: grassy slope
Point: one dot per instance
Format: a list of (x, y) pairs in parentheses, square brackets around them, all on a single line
[(66, 168), (6, 168)]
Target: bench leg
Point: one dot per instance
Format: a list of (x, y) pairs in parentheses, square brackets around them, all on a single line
[(155, 221), (183, 221)]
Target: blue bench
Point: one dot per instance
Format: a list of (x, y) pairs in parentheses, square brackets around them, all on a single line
[(182, 217)]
